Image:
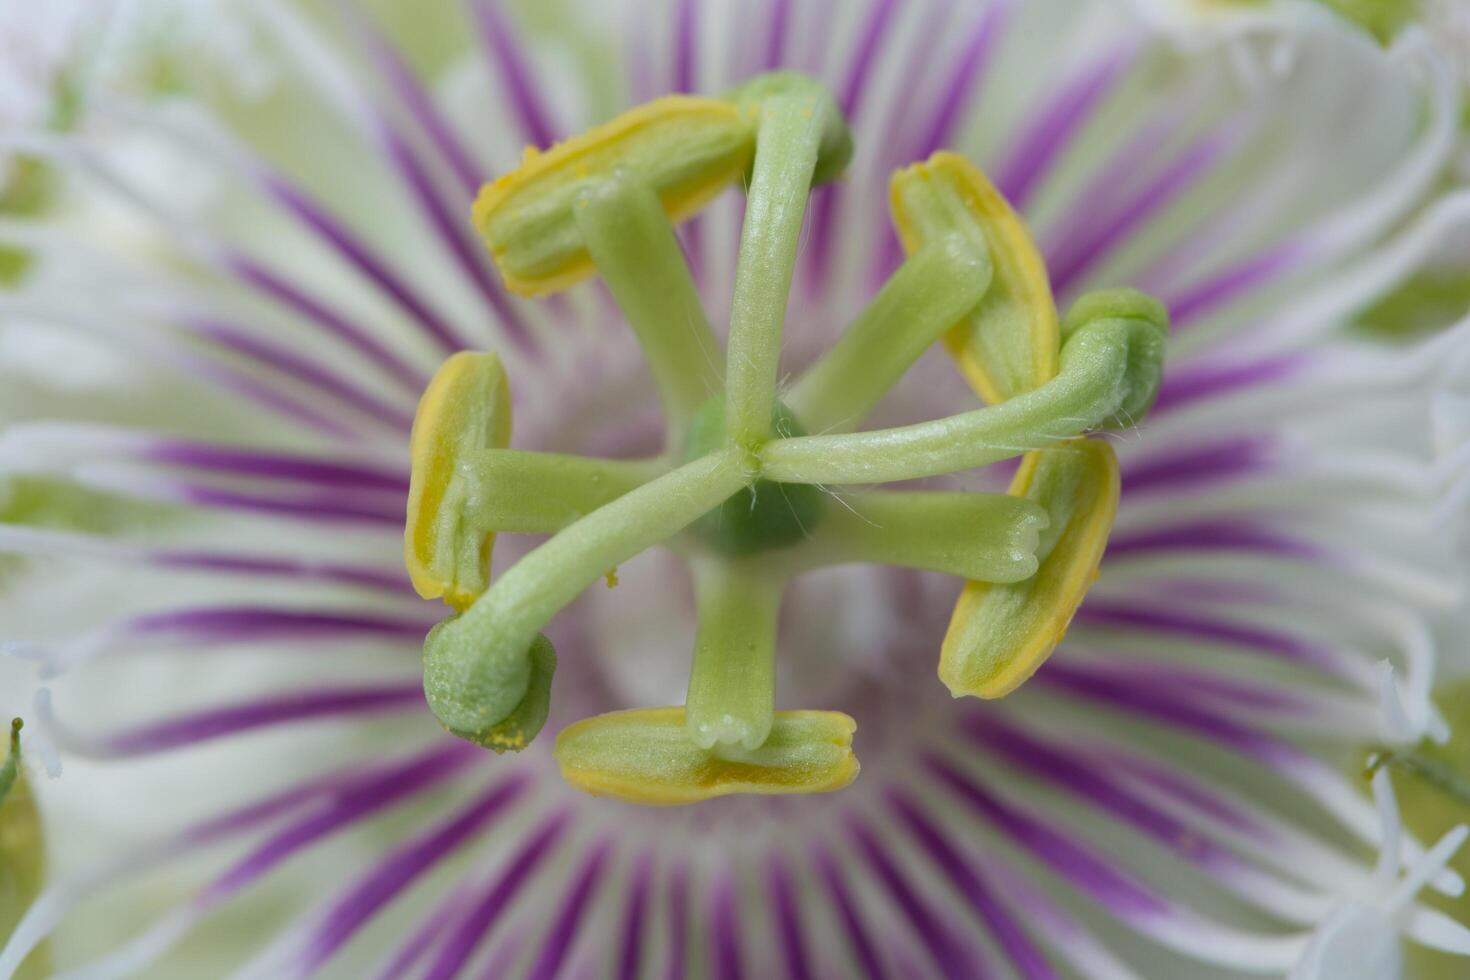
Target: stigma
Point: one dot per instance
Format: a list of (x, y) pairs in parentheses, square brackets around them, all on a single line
[(741, 490)]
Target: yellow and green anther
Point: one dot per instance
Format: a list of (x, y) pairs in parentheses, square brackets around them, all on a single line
[(646, 756), (1001, 632), (1008, 342), (740, 490), (466, 408)]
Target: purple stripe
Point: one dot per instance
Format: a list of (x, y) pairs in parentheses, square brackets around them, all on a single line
[(1166, 707), (1184, 385), (1081, 254), (410, 92), (850, 94), (482, 918), (630, 959), (286, 361), (294, 708), (454, 234), (860, 944), (1214, 591), (1193, 685), (943, 944), (318, 787), (498, 965), (1198, 626), (1202, 299), (269, 397), (724, 930), (268, 465), (1230, 535), (1053, 129), (358, 254), (573, 906), (1025, 957), (239, 624), (371, 578), (1080, 219), (286, 293), (678, 924), (1121, 894), (400, 868), (854, 87), (443, 916), (1195, 463), (503, 47), (685, 30), (325, 506), (503, 957), (403, 781), (786, 913), (958, 90), (1191, 794), (1078, 776), (776, 30)]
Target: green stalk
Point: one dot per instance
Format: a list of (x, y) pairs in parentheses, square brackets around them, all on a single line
[(476, 667), (984, 537), (787, 143), (929, 293), (540, 493), (629, 237), (1104, 365), (732, 684)]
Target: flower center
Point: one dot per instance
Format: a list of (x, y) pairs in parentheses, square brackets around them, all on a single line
[(739, 491), (764, 515)]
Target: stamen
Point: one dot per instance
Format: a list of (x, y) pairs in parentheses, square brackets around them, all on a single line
[(802, 139), (941, 282), (752, 488), (630, 239), (686, 149), (541, 493), (1000, 634), (466, 408), (986, 537), (647, 757), (732, 687), (1009, 344), (1105, 366)]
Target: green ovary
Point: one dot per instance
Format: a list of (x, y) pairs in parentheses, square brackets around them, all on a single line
[(765, 515)]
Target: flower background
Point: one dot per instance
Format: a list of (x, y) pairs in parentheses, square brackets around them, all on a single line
[(1290, 512)]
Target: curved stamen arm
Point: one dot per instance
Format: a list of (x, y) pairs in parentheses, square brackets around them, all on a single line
[(540, 493), (933, 289), (476, 665), (732, 685), (628, 234), (1106, 365), (985, 537), (788, 141)]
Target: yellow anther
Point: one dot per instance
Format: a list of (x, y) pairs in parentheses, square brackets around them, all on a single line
[(1000, 634), (1009, 343), (645, 756), (687, 149), (465, 408)]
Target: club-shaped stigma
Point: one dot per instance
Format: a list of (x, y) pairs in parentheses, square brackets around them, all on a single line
[(740, 490)]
